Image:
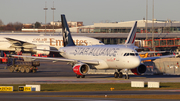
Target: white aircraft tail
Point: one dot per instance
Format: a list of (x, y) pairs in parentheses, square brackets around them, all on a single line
[(67, 38), (132, 35)]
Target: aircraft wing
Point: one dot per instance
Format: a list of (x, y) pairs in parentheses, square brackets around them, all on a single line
[(151, 52), (158, 57), (48, 50), (94, 62), (17, 43)]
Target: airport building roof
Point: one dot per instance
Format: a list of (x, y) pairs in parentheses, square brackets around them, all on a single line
[(140, 23), (161, 26), (104, 35)]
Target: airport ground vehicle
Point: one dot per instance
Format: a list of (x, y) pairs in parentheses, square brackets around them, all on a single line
[(19, 65), (4, 59)]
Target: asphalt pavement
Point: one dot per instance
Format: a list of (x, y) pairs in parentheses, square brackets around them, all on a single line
[(60, 73)]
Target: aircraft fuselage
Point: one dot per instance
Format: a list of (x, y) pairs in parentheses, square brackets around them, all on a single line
[(111, 56)]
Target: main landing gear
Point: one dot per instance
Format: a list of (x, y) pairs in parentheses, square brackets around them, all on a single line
[(78, 76), (120, 74)]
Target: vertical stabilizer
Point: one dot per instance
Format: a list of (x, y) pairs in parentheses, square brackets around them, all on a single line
[(67, 39), (132, 35)]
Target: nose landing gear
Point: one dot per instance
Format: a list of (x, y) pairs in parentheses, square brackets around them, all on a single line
[(126, 76)]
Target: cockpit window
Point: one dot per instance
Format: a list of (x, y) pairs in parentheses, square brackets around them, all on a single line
[(100, 42), (137, 54), (130, 54), (126, 54)]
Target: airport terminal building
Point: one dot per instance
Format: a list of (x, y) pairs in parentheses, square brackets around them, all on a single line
[(166, 32), (166, 26), (160, 26)]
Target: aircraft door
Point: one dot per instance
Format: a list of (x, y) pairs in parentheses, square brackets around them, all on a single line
[(117, 57)]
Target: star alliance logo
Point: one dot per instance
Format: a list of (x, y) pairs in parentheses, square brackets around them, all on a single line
[(66, 34)]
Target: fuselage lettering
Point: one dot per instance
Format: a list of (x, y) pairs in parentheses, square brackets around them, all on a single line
[(96, 51), (57, 42)]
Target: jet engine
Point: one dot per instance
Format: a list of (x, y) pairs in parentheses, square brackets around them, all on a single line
[(40, 49), (139, 70), (81, 69)]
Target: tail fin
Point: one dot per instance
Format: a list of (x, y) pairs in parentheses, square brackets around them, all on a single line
[(132, 35), (67, 39)]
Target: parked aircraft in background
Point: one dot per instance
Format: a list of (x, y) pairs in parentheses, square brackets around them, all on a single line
[(34, 42), (82, 58)]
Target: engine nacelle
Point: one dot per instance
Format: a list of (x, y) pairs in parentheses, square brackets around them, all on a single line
[(81, 69), (139, 70), (42, 47)]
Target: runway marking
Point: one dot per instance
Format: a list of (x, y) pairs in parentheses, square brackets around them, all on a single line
[(79, 81), (126, 79), (61, 81)]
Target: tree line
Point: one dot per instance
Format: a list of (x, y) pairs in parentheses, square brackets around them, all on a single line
[(17, 26)]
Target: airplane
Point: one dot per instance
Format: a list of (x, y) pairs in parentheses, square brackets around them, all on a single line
[(82, 58), (32, 43)]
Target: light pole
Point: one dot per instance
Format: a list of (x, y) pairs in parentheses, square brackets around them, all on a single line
[(153, 46), (146, 17), (53, 16), (45, 16)]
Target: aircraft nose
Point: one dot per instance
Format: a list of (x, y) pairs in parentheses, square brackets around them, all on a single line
[(136, 61)]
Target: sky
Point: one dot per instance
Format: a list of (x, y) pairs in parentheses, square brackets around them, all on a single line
[(87, 11)]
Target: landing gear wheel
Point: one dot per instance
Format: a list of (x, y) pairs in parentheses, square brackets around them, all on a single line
[(11, 69), (27, 70), (82, 76), (78, 76), (120, 74), (126, 77), (22, 70), (116, 75), (34, 70)]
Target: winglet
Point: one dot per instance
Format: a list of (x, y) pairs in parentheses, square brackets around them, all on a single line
[(132, 35), (67, 39)]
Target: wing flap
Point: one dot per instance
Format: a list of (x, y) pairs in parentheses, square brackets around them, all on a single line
[(17, 42), (94, 62), (47, 50)]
